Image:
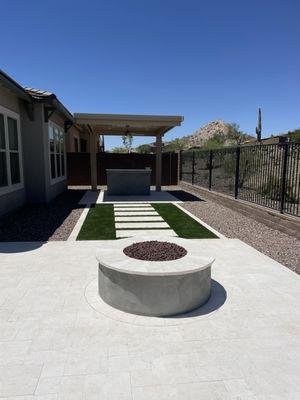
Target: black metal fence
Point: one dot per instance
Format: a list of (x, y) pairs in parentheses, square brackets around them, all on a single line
[(268, 175)]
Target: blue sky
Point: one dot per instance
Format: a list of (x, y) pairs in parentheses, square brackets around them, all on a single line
[(204, 60)]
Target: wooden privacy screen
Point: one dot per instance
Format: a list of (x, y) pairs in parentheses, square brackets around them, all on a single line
[(79, 170)]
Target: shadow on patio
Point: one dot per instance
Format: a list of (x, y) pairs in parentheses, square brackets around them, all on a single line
[(217, 298), (165, 195)]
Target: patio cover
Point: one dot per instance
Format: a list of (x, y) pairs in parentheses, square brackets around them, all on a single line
[(121, 124)]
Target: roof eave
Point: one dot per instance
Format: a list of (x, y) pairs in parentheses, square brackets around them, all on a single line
[(52, 100), (12, 85), (175, 119), (63, 109), (118, 124)]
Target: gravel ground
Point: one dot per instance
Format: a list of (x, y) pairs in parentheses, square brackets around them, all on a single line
[(275, 244), (43, 222)]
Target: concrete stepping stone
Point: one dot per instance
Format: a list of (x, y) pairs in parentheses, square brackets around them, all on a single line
[(139, 219), (133, 218), (156, 233), (141, 225), (135, 213), (132, 205), (135, 209)]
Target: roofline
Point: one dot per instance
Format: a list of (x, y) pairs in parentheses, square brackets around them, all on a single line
[(52, 100), (159, 124), (63, 109), (130, 117), (11, 84)]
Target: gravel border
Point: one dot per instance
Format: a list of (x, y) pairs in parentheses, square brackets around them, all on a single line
[(43, 222), (232, 224)]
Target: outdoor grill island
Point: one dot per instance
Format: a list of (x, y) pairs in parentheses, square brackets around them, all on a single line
[(128, 181)]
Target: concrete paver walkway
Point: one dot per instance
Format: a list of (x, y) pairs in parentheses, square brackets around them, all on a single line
[(132, 219), (55, 345)]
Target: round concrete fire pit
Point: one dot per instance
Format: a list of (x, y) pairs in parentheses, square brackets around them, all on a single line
[(154, 288)]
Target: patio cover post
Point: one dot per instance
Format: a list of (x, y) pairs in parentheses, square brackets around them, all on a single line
[(158, 162), (93, 159)]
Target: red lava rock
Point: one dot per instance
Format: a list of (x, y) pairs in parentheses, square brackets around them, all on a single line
[(155, 251)]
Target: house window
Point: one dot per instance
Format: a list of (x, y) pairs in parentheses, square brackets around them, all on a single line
[(76, 145), (10, 150), (57, 152), (83, 145)]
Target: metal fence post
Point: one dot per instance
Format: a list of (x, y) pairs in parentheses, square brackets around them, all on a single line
[(193, 168), (170, 168), (210, 169), (283, 176), (237, 172)]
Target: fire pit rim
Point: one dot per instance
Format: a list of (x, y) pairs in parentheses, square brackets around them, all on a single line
[(114, 258)]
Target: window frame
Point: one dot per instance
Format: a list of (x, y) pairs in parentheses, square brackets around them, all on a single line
[(76, 138), (82, 140), (57, 130), (12, 187)]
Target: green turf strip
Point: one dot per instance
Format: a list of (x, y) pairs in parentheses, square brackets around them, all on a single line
[(99, 223), (183, 225)]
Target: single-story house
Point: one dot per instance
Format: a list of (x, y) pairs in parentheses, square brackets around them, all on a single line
[(33, 127), (37, 131)]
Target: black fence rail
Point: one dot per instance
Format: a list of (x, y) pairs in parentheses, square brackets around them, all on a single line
[(268, 175)]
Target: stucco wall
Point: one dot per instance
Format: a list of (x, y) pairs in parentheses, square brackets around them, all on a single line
[(38, 187), (12, 200), (55, 189), (35, 151), (73, 132), (57, 119), (9, 100), (33, 154)]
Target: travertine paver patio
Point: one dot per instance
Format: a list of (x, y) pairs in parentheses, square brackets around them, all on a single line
[(55, 345)]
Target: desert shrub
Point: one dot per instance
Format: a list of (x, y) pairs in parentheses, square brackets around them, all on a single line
[(144, 149), (272, 190), (250, 163), (217, 141), (294, 135)]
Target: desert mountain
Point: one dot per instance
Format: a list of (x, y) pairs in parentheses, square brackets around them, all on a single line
[(207, 132)]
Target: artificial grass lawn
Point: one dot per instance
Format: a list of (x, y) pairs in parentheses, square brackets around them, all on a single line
[(184, 225), (99, 223)]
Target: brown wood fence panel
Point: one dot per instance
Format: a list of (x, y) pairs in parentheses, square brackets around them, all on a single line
[(78, 166), (78, 169)]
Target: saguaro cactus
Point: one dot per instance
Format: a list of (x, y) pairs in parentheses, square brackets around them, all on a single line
[(258, 128)]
